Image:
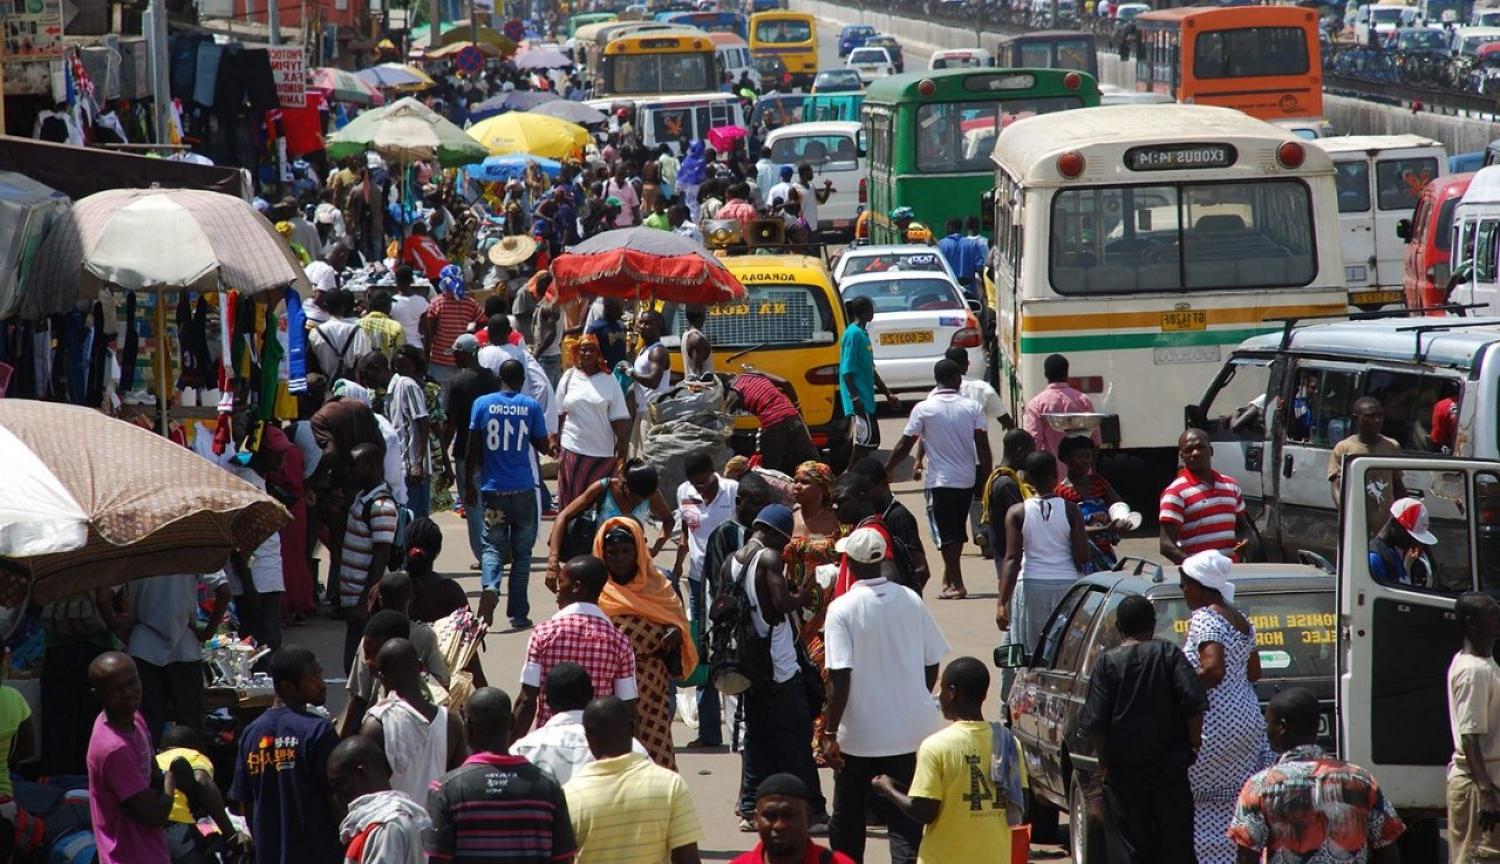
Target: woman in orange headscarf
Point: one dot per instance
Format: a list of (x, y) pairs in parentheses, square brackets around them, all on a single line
[(639, 601)]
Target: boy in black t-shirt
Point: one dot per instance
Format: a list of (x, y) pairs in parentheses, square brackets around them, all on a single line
[(281, 776)]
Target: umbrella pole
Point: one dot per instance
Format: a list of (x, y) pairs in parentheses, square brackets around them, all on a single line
[(163, 364)]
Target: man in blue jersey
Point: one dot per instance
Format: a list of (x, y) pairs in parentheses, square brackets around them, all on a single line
[(504, 428)]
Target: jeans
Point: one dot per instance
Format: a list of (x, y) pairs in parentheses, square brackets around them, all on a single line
[(419, 496), (1150, 825), (851, 791), (778, 738), (710, 721), (260, 616), (552, 365), (510, 520)]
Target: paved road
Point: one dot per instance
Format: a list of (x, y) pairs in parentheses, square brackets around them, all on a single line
[(713, 775)]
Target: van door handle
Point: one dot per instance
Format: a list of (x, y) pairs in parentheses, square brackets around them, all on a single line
[(1286, 466)]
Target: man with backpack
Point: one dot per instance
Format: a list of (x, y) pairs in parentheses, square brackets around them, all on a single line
[(338, 343), (778, 716), (369, 535)]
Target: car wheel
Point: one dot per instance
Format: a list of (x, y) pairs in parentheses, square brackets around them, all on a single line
[(1084, 846), (1042, 817)]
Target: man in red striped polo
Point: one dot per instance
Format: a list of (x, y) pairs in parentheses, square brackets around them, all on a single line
[(1201, 509)]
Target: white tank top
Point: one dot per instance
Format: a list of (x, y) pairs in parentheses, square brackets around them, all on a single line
[(1046, 540), (643, 393), (690, 369), (783, 649), (416, 747)]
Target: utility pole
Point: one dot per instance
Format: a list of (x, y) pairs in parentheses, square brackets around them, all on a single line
[(155, 28), (273, 20), (435, 34)]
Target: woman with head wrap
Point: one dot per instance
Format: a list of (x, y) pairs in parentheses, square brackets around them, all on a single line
[(286, 484), (816, 531), (1221, 646), (639, 601), (811, 483), (285, 229), (692, 174), (451, 315), (593, 422)]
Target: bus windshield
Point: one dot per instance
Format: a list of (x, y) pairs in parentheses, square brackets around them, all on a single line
[(1250, 52), (1068, 54), (1182, 237), (783, 32), (958, 137), (769, 316), (662, 73)]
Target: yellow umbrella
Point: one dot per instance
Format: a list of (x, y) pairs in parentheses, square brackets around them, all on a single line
[(537, 134)]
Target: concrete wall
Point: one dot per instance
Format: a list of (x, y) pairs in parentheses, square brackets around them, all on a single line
[(1348, 115)]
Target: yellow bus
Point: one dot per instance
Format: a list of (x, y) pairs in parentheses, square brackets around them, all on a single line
[(1145, 242), (792, 36), (659, 61)]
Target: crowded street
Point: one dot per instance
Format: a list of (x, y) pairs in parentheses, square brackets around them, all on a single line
[(753, 431)]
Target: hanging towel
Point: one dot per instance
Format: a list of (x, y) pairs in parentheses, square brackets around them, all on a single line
[(296, 348)]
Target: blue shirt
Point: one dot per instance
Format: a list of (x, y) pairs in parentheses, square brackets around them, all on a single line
[(856, 357), (951, 247), (507, 424), (281, 778), (971, 252), (611, 336)]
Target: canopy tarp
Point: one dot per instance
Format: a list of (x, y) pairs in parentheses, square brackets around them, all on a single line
[(79, 172), (27, 211)]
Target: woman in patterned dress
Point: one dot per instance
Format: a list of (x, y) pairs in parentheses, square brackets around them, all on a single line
[(1221, 646), (641, 603), (816, 531)]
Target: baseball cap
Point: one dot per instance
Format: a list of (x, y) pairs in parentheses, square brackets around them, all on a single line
[(1411, 514), (466, 343), (777, 517), (865, 545), (786, 171), (783, 785)]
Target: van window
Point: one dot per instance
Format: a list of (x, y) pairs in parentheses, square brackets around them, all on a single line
[(1353, 183), (1485, 236), (1321, 406), (1419, 221), (1443, 567), (1444, 228), (1237, 409), (1399, 181), (836, 152), (1035, 55), (1408, 400)]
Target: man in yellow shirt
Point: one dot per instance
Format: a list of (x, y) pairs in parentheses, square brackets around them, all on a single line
[(386, 333), (966, 798), (625, 808), (181, 742)]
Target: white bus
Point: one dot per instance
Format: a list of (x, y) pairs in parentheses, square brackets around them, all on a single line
[(1144, 243)]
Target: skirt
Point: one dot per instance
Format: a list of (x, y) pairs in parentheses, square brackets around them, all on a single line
[(577, 472)]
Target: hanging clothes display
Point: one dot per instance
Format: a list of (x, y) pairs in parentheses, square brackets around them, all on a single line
[(260, 84), (131, 347), (296, 349), (206, 73)]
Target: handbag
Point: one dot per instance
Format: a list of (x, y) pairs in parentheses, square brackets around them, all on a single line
[(578, 539)]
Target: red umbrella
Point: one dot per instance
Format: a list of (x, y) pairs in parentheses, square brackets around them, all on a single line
[(639, 263)]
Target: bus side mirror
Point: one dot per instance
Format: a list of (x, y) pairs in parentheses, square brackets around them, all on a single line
[(1403, 229), (1012, 656)]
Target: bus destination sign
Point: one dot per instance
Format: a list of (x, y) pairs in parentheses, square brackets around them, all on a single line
[(1173, 157)]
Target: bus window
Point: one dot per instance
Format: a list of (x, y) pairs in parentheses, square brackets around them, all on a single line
[(1075, 54), (1250, 52), (958, 137), (1399, 182), (1443, 238), (1036, 55), (780, 32), (1353, 183), (1111, 240)]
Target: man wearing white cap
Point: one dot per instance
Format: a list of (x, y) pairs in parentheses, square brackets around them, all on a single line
[(882, 650), (1397, 552)]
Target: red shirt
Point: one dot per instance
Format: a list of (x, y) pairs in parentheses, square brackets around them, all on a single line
[(1444, 423), (451, 316), (1207, 509), (846, 575), (483, 336), (764, 399), (424, 253), (815, 855), (580, 634)]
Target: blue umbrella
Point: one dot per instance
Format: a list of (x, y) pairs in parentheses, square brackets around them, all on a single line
[(498, 169)]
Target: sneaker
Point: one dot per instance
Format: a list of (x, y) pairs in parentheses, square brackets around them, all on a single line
[(520, 624), (550, 513), (819, 827), (747, 826)]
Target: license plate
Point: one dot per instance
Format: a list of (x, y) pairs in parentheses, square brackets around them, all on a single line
[(906, 337), (1371, 298), (1184, 320)]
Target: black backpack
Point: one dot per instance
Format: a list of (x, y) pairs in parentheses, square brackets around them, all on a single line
[(738, 657)]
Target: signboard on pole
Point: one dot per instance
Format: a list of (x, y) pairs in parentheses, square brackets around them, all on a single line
[(289, 71), (34, 30)]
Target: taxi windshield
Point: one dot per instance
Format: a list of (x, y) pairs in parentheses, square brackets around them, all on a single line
[(771, 315), (914, 294), (879, 262)]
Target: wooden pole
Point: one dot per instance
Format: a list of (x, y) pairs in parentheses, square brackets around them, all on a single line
[(163, 363)]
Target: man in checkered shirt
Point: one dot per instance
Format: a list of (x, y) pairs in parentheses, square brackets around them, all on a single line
[(579, 633)]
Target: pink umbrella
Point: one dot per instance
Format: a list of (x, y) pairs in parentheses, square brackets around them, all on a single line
[(337, 85)]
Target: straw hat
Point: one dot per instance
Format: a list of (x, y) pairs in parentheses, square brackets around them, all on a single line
[(512, 250)]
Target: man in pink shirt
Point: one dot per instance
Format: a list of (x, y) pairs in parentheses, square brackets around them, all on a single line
[(738, 207), (128, 810), (1059, 397), (620, 187)]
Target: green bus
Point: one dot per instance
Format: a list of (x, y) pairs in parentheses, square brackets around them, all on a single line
[(832, 106), (930, 135), (584, 19)]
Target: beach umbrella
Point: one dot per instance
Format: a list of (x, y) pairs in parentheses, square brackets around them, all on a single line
[(513, 100), (498, 169), (404, 131), (337, 85), (516, 132), (127, 504), (399, 76), (573, 112), (644, 263), (542, 58)]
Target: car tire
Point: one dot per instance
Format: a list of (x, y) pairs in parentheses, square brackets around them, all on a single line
[(1085, 843), (1042, 817)]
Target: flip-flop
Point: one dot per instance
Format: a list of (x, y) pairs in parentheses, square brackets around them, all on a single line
[(946, 594)]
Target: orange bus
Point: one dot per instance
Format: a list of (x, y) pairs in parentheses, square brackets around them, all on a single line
[(1263, 60)]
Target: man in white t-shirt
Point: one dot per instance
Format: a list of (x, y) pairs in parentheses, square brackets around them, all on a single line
[(1474, 715), (954, 433), (409, 307), (994, 409), (781, 192), (882, 650), (704, 502)]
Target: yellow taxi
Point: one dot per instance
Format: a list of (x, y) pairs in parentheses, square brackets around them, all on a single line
[(789, 325)]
